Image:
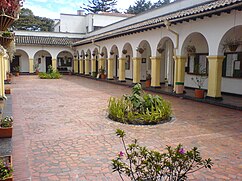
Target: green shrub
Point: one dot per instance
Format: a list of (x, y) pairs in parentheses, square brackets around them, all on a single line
[(139, 108), (53, 75)]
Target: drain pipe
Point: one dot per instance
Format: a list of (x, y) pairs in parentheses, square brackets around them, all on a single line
[(167, 24)]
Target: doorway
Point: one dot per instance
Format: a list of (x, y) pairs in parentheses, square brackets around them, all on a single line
[(48, 62), (14, 63)]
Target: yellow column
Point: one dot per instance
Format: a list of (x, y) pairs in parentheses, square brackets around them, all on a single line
[(1, 73), (101, 63), (87, 66), (136, 69), (215, 76), (54, 64), (76, 66), (179, 73), (110, 68), (155, 71), (122, 69), (5, 58), (31, 65), (81, 68), (93, 68)]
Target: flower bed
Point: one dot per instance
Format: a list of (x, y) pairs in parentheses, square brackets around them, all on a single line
[(139, 108)]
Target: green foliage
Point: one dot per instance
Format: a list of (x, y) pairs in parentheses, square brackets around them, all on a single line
[(28, 21), (16, 69), (6, 122), (139, 108), (96, 6), (6, 169), (144, 5), (140, 163), (54, 74)]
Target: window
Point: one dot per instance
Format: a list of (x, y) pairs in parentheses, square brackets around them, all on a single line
[(232, 65), (197, 64)]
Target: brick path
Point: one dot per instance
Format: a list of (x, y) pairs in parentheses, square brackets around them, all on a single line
[(61, 131)]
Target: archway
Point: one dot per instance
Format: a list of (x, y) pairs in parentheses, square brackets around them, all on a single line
[(144, 52), (65, 62), (195, 48), (21, 59), (88, 58), (42, 59), (231, 47), (127, 53), (115, 54), (82, 57), (165, 52)]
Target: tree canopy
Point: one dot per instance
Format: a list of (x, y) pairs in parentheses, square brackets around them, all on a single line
[(28, 21), (144, 5), (96, 6)]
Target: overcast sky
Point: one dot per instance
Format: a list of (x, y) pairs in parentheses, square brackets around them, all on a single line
[(53, 8)]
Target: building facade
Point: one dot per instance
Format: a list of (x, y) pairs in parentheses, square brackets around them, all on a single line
[(176, 44)]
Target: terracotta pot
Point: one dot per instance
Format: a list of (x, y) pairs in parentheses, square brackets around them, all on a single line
[(147, 83), (16, 74), (8, 160), (7, 91), (199, 93), (6, 132), (103, 76)]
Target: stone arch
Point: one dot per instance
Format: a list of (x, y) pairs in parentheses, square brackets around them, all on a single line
[(114, 53), (230, 46), (21, 59), (165, 52), (127, 53), (65, 62), (144, 52), (104, 55), (42, 59)]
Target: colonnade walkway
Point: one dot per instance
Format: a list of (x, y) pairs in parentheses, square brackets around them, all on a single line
[(61, 131)]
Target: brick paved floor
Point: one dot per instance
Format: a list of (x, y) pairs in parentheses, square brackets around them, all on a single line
[(61, 131)]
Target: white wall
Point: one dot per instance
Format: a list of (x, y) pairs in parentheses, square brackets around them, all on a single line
[(104, 20), (24, 63), (72, 23)]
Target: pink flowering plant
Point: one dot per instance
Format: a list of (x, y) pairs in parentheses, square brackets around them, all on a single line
[(139, 163), (10, 7), (6, 169)]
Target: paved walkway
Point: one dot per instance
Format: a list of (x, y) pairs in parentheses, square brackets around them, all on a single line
[(61, 131)]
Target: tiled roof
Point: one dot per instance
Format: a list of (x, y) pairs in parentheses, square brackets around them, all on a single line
[(43, 40), (207, 8)]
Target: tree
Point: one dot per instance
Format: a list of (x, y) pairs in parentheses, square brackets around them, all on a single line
[(139, 7), (96, 6), (28, 21), (143, 5)]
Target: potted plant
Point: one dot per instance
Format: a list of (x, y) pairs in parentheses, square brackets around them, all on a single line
[(191, 49), (6, 169), (7, 90), (16, 70), (36, 67), (231, 44), (101, 71), (199, 81), (148, 80), (9, 77), (140, 50), (6, 127)]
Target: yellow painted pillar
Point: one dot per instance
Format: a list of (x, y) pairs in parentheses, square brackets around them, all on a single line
[(180, 73), (155, 71), (110, 68), (2, 94), (215, 76), (122, 69), (5, 58), (93, 66), (54, 64), (31, 65), (136, 69), (81, 68), (87, 66), (101, 63), (76, 66)]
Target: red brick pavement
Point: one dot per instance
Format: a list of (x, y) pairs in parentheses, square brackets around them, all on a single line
[(61, 131)]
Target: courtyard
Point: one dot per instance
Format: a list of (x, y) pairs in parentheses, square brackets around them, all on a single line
[(61, 131)]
